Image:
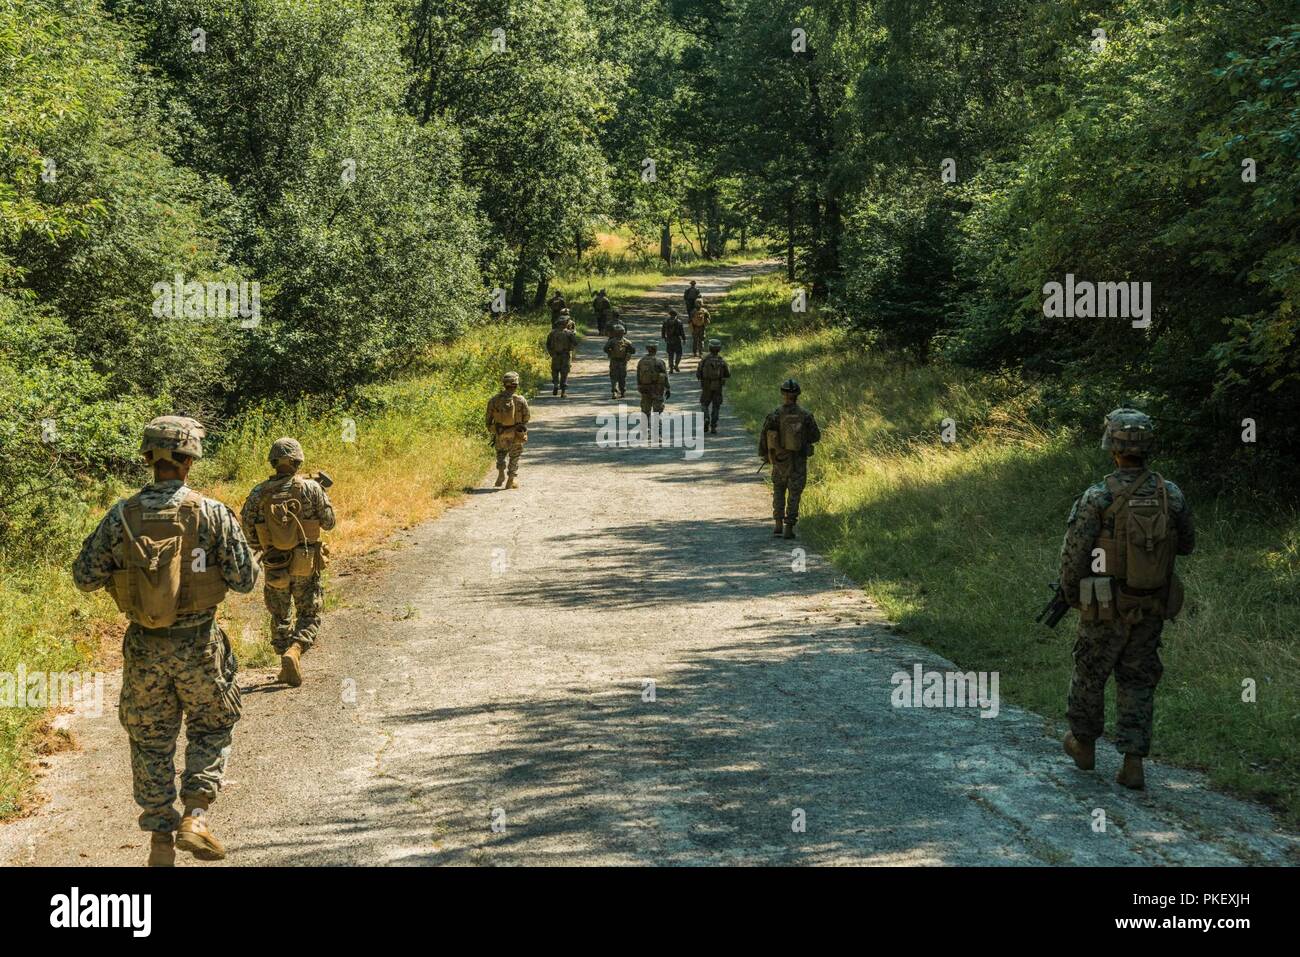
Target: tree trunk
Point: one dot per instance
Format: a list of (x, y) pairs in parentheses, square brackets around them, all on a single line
[(666, 242), (517, 287), (789, 240), (577, 243), (539, 300)]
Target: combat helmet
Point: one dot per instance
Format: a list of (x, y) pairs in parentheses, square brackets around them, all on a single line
[(510, 378), (715, 345), (791, 386), (1128, 431), (618, 328), (168, 436), (286, 450)]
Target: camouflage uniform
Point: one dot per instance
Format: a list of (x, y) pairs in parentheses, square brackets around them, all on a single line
[(618, 361), (1130, 650), (186, 670), (691, 294), (304, 593), (509, 440), (699, 324), (711, 388), (789, 468), (556, 304), (560, 345), (674, 334), (652, 396), (602, 308)]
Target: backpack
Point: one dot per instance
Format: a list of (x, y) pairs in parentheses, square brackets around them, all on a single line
[(711, 370), (503, 410), (621, 350), (557, 346), (702, 315), (1138, 535), (790, 427), (282, 527), (159, 582), (648, 373)]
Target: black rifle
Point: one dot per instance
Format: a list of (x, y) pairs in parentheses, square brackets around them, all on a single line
[(1055, 608)]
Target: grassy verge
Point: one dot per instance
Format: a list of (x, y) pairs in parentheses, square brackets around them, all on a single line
[(418, 442), (957, 542)]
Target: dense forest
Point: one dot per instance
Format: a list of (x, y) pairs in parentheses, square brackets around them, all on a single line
[(379, 167)]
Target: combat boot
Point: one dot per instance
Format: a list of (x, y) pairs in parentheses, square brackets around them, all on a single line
[(501, 478), (194, 836), (555, 390), (162, 849), (512, 483), (789, 530), (1130, 775), (291, 666), (779, 528), (1083, 752)]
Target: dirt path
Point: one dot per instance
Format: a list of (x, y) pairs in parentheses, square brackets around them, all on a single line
[(496, 659)]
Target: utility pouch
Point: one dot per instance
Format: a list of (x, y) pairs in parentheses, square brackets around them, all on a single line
[(275, 568), (1097, 599), (302, 562)]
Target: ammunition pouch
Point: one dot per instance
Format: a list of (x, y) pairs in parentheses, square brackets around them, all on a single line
[(276, 568), (1097, 599)]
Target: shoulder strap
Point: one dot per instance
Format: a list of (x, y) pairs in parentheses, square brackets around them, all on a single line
[(1119, 498)]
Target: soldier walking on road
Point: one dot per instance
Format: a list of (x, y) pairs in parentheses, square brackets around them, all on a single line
[(556, 304), (167, 555), (699, 324), (652, 380), (507, 421), (560, 345), (603, 310), (283, 518), (712, 373), (786, 441), (1117, 569), (690, 295), (674, 334), (619, 351)]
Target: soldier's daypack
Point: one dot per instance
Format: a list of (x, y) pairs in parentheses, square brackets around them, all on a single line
[(649, 374), (291, 543), (505, 411), (790, 427), (166, 573), (557, 343), (1139, 541), (620, 350), (711, 371), (699, 319)]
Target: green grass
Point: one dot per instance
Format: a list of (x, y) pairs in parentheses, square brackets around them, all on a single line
[(957, 542)]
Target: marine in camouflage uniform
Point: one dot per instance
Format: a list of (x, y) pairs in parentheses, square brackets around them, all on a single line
[(560, 345), (604, 311), (699, 325), (690, 296), (619, 350), (556, 304), (1128, 646), (789, 466), (283, 591), (183, 670), (652, 380), (674, 334), (712, 372), (507, 422)]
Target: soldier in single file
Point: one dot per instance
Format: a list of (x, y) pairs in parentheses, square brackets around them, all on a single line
[(560, 345), (700, 320), (619, 350), (786, 441), (507, 423), (652, 380), (713, 373), (674, 335)]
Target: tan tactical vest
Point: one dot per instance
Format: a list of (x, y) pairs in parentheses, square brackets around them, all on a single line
[(621, 351), (699, 319), (166, 574), (1138, 536), (506, 412), (282, 526)]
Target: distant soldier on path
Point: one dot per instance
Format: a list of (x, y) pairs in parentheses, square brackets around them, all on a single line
[(690, 295), (1117, 569), (168, 555), (603, 310), (786, 441), (652, 380), (699, 325), (283, 518), (560, 345), (712, 372), (619, 351), (507, 422), (556, 304), (674, 334)]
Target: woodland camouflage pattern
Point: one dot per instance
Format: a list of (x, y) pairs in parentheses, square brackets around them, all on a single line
[(789, 469), (186, 670), (1130, 651), (711, 391)]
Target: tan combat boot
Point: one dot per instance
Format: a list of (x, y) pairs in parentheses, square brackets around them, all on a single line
[(1084, 754), (512, 483), (501, 478), (194, 836), (779, 529), (1130, 775), (162, 849), (291, 666)]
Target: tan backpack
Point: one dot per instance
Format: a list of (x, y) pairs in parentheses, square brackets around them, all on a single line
[(790, 427), (699, 319), (649, 374), (166, 574), (1138, 535), (503, 410)]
